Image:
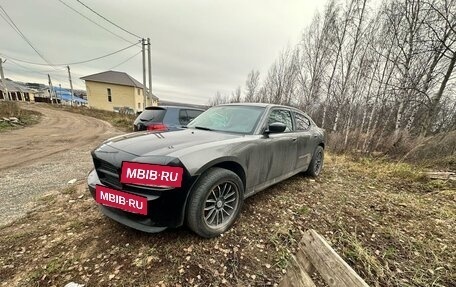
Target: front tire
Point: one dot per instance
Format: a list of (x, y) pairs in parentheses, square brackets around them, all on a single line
[(316, 164), (215, 202)]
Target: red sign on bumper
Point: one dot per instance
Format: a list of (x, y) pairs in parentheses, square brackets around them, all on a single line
[(151, 174), (122, 200)]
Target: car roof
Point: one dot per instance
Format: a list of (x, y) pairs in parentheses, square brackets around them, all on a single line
[(248, 104), (267, 106), (174, 107), (263, 105)]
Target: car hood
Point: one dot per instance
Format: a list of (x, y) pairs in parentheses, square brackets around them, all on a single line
[(143, 144)]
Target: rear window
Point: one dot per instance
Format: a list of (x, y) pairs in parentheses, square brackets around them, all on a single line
[(154, 114), (186, 116), (302, 122), (192, 114)]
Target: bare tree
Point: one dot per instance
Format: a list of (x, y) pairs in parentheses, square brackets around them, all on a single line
[(236, 96), (445, 34), (280, 83), (351, 54), (218, 99), (370, 75), (252, 86), (340, 33), (315, 57)]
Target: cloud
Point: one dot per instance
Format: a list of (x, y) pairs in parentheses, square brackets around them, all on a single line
[(198, 47)]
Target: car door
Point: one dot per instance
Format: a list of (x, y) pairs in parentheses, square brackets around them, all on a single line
[(305, 140), (281, 148)]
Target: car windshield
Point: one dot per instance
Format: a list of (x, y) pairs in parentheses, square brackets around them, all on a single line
[(232, 118)]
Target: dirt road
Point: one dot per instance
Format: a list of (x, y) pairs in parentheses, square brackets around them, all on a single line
[(58, 131), (44, 157)]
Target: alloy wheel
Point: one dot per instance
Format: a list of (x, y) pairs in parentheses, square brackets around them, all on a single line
[(318, 162), (221, 204)]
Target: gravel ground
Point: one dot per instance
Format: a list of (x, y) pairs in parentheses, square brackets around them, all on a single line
[(59, 162)]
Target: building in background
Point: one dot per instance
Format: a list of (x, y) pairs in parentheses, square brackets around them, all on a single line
[(116, 91), (16, 91), (64, 97), (40, 95), (35, 92)]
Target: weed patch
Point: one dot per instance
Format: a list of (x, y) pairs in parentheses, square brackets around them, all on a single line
[(10, 109), (373, 212)]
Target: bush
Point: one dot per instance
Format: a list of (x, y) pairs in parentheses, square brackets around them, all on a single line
[(438, 150)]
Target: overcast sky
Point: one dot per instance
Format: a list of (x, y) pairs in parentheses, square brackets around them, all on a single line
[(198, 47)]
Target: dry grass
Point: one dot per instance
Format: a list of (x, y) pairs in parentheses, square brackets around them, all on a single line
[(9, 109), (393, 226), (121, 121), (12, 109), (437, 151)]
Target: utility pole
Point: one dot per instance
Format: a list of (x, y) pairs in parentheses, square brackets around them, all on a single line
[(7, 97), (150, 69), (71, 85), (51, 89), (143, 41)]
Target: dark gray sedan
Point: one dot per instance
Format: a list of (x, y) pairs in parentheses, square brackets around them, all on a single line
[(201, 175)]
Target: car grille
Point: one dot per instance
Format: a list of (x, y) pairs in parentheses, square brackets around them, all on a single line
[(107, 173)]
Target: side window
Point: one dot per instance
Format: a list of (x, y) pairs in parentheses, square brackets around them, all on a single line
[(183, 117), (281, 116), (192, 114), (302, 122)]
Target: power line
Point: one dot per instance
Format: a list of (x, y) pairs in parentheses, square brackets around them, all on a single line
[(73, 63), (123, 62), (106, 19), (60, 78), (43, 72), (54, 73), (102, 27), (39, 75), (17, 30)]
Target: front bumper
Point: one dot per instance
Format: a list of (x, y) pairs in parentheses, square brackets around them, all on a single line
[(166, 208)]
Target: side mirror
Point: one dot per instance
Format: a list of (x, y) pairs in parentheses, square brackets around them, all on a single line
[(275, 128)]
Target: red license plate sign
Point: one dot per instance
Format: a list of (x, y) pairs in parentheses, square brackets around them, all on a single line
[(151, 174), (122, 200)]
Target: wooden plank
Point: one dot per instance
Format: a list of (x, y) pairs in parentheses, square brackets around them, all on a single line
[(298, 272), (304, 262), (332, 268), (441, 175)]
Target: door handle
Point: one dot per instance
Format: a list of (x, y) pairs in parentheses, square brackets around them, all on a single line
[(294, 139)]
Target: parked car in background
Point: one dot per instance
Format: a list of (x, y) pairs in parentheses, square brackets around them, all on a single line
[(165, 118), (202, 174)]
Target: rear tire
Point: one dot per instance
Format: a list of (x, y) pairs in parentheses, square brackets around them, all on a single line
[(215, 202), (316, 164)]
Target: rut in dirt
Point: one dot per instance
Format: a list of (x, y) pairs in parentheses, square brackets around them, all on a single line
[(43, 158), (58, 131)]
